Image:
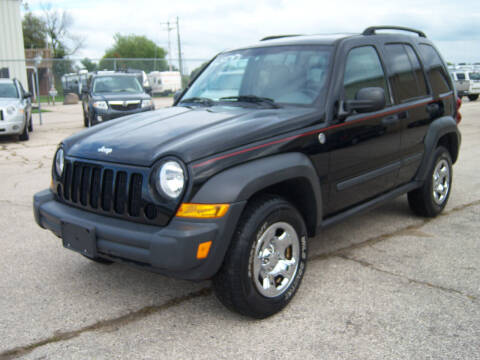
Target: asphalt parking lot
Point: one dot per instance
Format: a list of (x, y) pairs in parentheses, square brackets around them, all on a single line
[(383, 285)]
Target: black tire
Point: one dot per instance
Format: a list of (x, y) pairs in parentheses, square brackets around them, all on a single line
[(99, 260), (24, 136), (234, 284), (30, 123), (422, 201), (473, 97)]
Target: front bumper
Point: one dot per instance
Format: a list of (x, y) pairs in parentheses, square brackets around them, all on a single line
[(170, 250), (13, 125)]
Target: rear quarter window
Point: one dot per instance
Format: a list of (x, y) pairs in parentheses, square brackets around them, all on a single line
[(436, 73)]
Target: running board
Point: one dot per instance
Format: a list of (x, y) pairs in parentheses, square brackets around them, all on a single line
[(369, 205)]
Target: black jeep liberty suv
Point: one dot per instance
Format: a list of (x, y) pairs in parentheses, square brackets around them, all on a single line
[(268, 145)]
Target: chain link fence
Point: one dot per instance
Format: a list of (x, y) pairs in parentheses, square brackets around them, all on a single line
[(66, 75)]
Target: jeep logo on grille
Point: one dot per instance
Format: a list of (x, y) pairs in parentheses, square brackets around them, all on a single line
[(105, 150)]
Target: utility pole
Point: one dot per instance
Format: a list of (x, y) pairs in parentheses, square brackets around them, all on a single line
[(180, 63), (169, 28)]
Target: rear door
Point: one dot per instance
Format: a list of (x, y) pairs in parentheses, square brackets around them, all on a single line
[(413, 103), (364, 148)]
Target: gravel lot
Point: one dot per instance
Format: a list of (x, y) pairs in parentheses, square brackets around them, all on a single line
[(384, 285)]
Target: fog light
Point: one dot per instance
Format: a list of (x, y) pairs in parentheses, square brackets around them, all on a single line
[(15, 127), (203, 249), (99, 118), (204, 211)]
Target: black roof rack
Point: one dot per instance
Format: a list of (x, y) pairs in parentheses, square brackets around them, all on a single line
[(278, 37), (372, 30)]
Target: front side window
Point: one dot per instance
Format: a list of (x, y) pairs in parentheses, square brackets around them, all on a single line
[(363, 69), (406, 75), (111, 84), (8, 90), (285, 74)]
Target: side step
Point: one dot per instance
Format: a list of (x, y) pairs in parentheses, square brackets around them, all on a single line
[(369, 205)]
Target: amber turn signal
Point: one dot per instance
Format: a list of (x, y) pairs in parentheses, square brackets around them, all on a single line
[(203, 249), (204, 211)]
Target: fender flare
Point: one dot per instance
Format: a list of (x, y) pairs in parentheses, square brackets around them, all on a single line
[(241, 182), (437, 129)]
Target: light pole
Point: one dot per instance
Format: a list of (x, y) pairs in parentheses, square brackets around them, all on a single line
[(38, 60)]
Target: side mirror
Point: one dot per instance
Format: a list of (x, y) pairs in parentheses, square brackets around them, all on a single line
[(148, 89), (177, 94), (27, 95), (367, 100)]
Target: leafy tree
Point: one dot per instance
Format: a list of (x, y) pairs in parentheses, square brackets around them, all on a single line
[(89, 64), (134, 46), (34, 31), (198, 69)]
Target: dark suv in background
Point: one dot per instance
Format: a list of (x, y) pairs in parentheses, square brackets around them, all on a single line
[(112, 95), (267, 146)]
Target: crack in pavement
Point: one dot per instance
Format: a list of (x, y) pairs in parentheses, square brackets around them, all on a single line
[(410, 280), (105, 324), (153, 309)]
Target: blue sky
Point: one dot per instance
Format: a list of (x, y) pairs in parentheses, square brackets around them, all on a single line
[(208, 27)]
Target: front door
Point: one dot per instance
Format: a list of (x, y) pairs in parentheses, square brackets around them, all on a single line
[(364, 148)]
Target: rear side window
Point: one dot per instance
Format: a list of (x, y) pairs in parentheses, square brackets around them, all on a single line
[(406, 77), (460, 76), (436, 73), (363, 69)]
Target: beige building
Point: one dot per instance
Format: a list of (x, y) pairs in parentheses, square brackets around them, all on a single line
[(11, 41)]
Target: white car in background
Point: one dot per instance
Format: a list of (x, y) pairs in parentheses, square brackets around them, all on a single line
[(15, 109), (467, 82)]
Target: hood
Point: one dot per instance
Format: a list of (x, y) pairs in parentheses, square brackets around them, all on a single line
[(189, 134), (4, 102), (121, 96)]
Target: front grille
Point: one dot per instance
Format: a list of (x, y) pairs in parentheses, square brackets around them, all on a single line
[(113, 191), (125, 108)]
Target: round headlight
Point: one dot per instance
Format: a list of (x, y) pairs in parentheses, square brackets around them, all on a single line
[(11, 110), (171, 179), (59, 162)]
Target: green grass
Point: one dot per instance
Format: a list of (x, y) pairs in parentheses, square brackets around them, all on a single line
[(35, 111), (58, 99)]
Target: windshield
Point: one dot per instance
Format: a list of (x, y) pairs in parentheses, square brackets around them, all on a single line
[(109, 84), (474, 76), (8, 90), (284, 74)]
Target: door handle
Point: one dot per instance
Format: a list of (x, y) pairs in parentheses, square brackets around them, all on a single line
[(390, 120)]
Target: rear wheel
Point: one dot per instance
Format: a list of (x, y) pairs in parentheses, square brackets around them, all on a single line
[(430, 199), (265, 263), (473, 97)]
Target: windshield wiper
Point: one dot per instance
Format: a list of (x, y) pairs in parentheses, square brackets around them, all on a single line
[(198, 100), (251, 99)]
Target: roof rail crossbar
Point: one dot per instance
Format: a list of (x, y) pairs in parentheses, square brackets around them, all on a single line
[(372, 30), (273, 37)]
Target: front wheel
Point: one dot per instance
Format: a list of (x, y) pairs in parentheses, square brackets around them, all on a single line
[(473, 97), (430, 199), (24, 136), (265, 263)]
